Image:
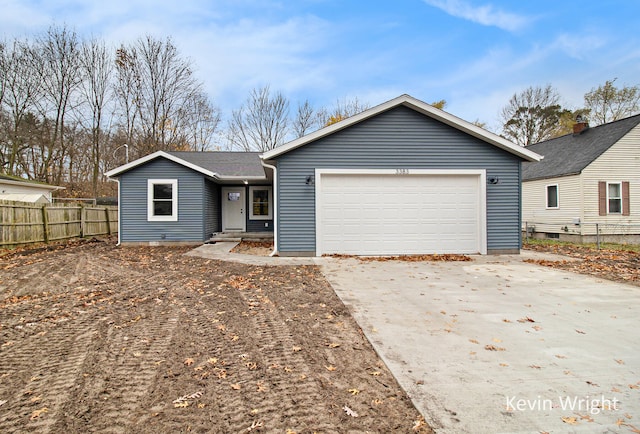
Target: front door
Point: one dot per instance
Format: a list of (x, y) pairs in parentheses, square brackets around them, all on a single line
[(233, 209)]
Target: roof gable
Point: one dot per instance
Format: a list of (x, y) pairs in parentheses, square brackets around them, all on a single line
[(571, 154), (218, 165), (419, 106)]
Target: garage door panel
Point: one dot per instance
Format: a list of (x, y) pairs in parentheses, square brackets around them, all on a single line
[(395, 214)]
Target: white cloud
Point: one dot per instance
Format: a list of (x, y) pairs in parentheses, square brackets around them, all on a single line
[(487, 15)]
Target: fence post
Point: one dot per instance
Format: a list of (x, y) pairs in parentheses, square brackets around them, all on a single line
[(598, 236), (526, 232), (45, 223), (106, 213), (83, 221)]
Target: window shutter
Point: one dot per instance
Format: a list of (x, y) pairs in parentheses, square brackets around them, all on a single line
[(625, 198), (602, 198)]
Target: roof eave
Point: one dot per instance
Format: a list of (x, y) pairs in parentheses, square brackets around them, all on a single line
[(419, 106), (540, 178), (114, 173), (33, 184)]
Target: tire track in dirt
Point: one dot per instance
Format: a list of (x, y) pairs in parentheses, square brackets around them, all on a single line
[(288, 373), (43, 376)]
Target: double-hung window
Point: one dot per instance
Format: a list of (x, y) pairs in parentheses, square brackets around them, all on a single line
[(162, 200), (552, 197), (261, 206), (614, 198)]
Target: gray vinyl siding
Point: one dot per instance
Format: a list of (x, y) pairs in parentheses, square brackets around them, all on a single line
[(133, 204), (212, 211), (398, 138)]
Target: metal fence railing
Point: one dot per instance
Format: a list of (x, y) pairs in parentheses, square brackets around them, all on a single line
[(596, 232)]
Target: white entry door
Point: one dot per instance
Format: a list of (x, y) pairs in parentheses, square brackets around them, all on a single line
[(234, 209)]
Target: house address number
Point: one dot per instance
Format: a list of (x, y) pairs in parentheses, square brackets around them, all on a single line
[(402, 171)]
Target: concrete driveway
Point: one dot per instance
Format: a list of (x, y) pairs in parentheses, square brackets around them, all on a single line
[(499, 345)]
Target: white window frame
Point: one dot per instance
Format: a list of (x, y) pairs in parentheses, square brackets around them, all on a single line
[(546, 196), (619, 198), (260, 217), (174, 201)]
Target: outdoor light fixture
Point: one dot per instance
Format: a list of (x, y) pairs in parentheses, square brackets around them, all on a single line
[(309, 180), (493, 180)]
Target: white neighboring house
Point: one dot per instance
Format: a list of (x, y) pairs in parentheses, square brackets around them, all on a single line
[(22, 190), (588, 177)]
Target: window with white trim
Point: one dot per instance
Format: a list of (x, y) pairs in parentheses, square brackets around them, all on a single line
[(552, 196), (614, 197), (162, 200), (261, 203)]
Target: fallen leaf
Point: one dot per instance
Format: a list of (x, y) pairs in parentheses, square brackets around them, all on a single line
[(201, 405), (570, 420), (235, 386), (496, 340), (377, 401), (296, 349), (560, 356), (634, 386), (354, 392), (536, 328), (590, 383), (36, 414), (419, 424), (615, 390), (620, 422), (580, 331), (526, 319), (506, 320), (333, 345), (260, 386), (375, 373), (182, 404), (330, 368), (504, 364), (619, 361), (494, 348), (349, 411), (473, 341), (535, 366), (188, 361)]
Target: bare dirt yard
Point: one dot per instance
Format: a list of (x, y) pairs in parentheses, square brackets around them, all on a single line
[(96, 338), (619, 263)]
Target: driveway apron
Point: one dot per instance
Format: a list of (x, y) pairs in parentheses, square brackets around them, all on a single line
[(497, 345)]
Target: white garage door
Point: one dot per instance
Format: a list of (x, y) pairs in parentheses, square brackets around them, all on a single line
[(391, 214)]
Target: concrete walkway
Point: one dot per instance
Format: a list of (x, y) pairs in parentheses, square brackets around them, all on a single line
[(222, 252), (501, 346)]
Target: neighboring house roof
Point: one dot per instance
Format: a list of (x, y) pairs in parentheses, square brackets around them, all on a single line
[(14, 180), (217, 165), (572, 153), (25, 197), (421, 107)]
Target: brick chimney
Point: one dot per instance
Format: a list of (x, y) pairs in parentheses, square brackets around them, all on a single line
[(580, 125)]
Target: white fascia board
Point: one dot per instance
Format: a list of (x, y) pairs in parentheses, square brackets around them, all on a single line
[(32, 184), (419, 106), (118, 170)]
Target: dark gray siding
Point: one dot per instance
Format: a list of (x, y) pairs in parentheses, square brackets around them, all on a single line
[(212, 211), (398, 138), (133, 204)]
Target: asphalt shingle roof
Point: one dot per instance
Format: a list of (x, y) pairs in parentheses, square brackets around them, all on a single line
[(226, 163), (570, 154)]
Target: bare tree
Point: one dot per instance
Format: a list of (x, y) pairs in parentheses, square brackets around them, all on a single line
[(21, 90), (97, 68), (307, 119), (126, 87), (203, 119), (344, 109), (260, 124), (608, 103), (56, 57), (532, 115)]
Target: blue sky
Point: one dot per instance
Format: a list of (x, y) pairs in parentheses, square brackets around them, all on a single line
[(473, 53)]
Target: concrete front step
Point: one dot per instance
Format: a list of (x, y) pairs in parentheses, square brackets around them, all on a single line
[(239, 236)]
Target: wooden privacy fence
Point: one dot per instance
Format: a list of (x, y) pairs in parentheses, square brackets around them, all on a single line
[(24, 223)]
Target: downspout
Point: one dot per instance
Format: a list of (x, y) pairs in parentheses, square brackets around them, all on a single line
[(275, 206), (119, 213)]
